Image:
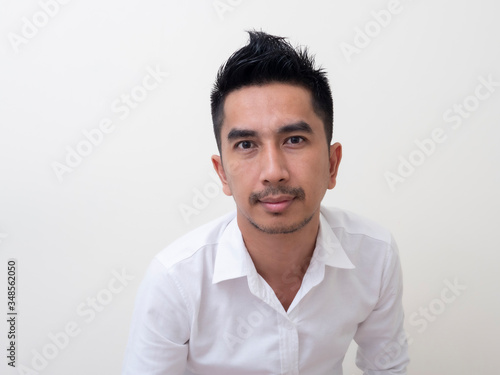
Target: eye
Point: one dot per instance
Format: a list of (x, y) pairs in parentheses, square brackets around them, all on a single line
[(295, 140), (244, 145)]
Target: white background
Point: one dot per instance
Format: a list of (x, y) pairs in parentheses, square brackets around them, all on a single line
[(121, 204)]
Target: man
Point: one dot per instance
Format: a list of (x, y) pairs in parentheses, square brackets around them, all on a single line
[(283, 285)]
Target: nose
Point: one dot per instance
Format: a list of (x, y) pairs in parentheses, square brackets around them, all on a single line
[(273, 164)]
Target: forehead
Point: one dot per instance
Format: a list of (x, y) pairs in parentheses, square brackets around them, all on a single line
[(265, 108)]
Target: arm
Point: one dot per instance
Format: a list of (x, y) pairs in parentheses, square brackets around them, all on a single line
[(158, 340), (383, 349)]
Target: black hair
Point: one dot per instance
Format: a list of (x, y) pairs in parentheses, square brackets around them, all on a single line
[(266, 59)]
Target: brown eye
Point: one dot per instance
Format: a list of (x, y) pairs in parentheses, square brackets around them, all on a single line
[(295, 140), (244, 144)]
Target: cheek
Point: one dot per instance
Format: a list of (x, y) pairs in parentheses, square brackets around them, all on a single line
[(238, 178), (235, 168), (316, 171)]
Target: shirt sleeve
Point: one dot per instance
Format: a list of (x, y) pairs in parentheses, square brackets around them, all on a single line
[(381, 339), (159, 334)]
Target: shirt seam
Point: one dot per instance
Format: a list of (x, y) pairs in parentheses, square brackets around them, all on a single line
[(200, 248), (363, 234), (178, 287), (390, 251)]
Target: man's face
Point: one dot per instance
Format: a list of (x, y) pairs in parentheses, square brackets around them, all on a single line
[(275, 159)]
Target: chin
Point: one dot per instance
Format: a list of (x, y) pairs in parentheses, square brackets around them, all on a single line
[(282, 228)]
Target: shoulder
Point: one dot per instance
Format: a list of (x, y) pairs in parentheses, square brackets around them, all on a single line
[(369, 246), (350, 223), (194, 242), (364, 240)]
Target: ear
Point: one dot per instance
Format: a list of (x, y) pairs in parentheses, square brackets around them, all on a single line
[(335, 157), (219, 168)]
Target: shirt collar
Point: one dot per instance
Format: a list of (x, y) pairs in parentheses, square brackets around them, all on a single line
[(329, 250), (233, 260)]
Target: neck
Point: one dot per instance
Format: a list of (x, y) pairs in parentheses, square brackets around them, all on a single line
[(280, 258)]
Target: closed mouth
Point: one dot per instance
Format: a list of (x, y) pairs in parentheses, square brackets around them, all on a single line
[(277, 199)]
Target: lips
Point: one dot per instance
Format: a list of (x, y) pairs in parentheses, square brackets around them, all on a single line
[(276, 199), (276, 204)]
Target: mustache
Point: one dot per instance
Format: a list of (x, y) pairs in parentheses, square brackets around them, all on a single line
[(297, 192)]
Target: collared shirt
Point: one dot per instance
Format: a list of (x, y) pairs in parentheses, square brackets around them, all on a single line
[(202, 308)]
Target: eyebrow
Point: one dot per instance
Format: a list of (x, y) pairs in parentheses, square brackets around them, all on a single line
[(300, 126), (241, 133)]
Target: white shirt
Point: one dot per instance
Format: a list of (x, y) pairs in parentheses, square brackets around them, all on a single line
[(202, 308)]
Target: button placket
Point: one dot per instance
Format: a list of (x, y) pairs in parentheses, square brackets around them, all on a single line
[(289, 347)]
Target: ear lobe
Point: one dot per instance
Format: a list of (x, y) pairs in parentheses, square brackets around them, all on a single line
[(335, 157), (219, 169)]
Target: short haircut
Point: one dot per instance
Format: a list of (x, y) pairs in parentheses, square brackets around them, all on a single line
[(267, 59)]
